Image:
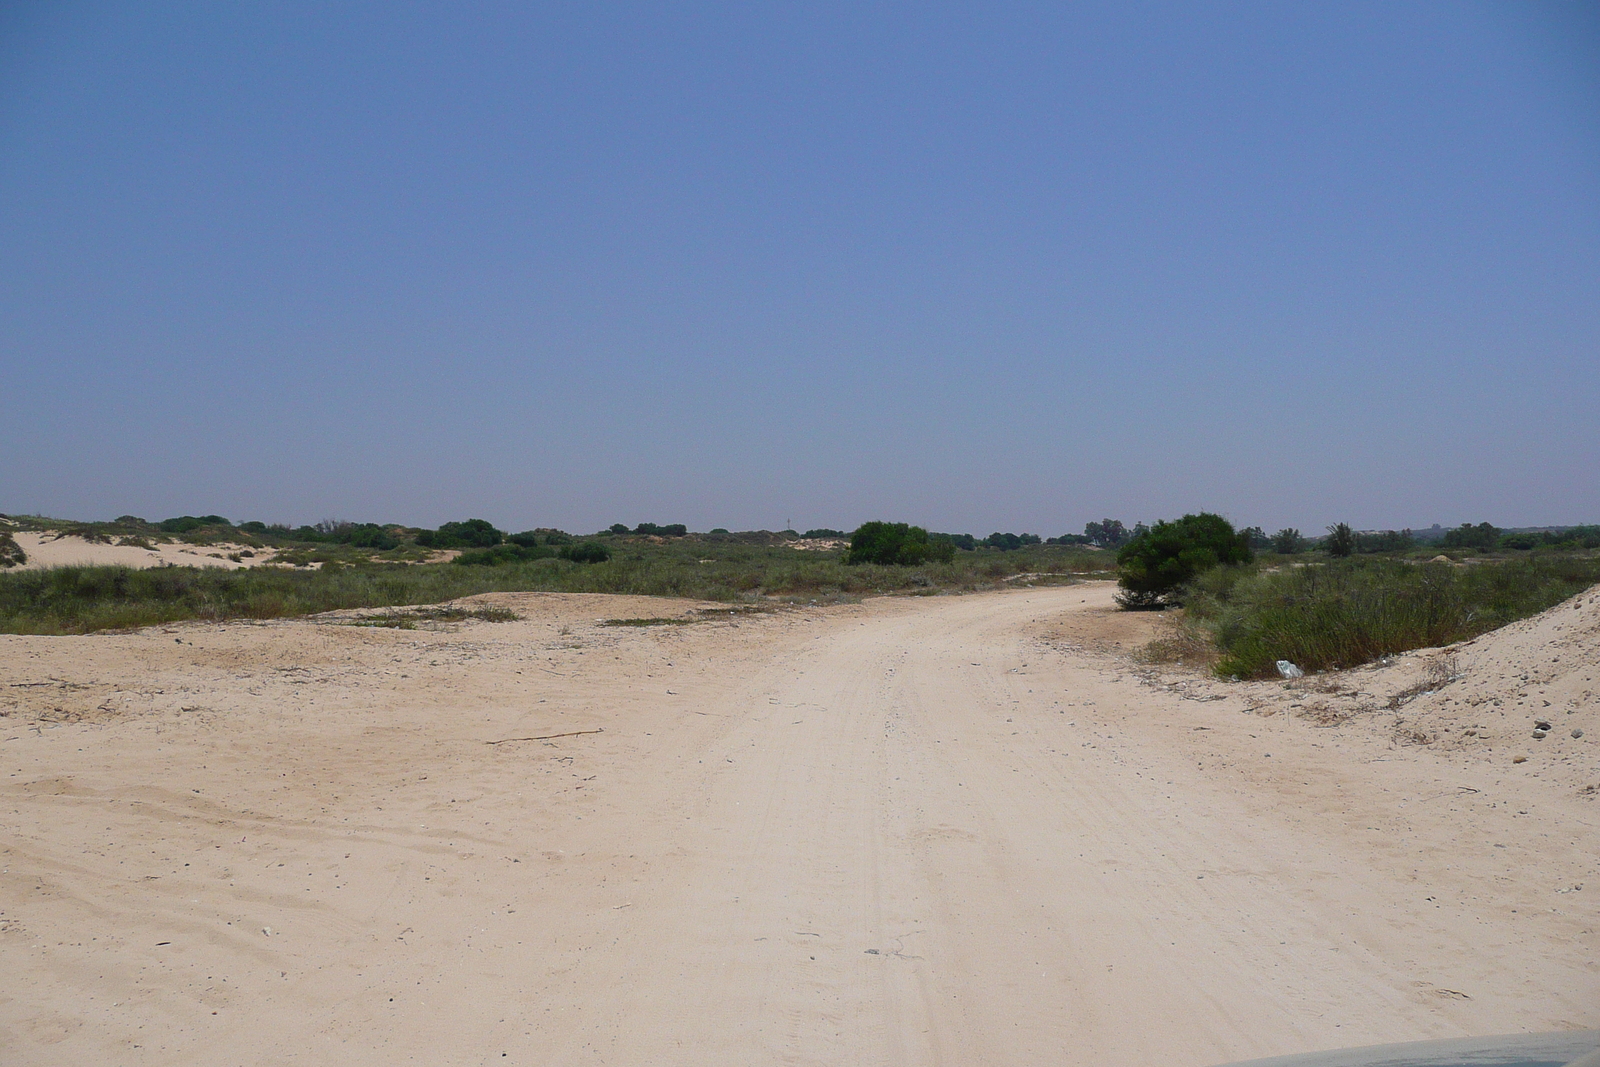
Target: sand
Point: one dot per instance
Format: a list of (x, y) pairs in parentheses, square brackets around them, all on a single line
[(961, 830), (54, 550)]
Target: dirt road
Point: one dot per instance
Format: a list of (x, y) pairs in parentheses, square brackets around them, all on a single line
[(923, 831)]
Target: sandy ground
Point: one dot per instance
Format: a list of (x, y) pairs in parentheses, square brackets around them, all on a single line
[(960, 830), (53, 550)]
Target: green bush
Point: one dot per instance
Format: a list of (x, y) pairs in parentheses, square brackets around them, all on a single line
[(587, 552), (1158, 563), (896, 544), (473, 533), (185, 523)]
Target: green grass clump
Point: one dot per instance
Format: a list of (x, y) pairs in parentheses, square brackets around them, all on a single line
[(1347, 612)]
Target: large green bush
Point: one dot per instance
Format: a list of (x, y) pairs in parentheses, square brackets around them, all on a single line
[(587, 552), (473, 533), (891, 543), (1158, 563)]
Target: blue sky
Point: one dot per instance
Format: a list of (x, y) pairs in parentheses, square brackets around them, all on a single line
[(981, 266)]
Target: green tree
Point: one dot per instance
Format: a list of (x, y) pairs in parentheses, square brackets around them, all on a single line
[(473, 533), (1157, 564), (1483, 536), (1341, 540), (1287, 541), (890, 543)]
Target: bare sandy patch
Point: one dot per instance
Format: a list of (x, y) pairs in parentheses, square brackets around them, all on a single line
[(909, 830)]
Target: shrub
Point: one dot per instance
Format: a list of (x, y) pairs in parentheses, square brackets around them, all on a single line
[(369, 535), (891, 543), (965, 542), (619, 528), (677, 529), (821, 531), (473, 533), (588, 552), (11, 553), (185, 523), (1158, 563), (1287, 541)]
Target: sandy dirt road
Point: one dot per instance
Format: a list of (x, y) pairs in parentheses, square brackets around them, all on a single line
[(918, 831)]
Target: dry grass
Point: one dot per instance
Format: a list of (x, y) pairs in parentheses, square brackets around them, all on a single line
[(1438, 672), (1183, 643), (407, 620)]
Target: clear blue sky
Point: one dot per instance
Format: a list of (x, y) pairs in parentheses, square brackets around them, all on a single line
[(978, 266)]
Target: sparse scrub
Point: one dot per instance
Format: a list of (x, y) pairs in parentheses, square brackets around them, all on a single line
[(729, 570), (407, 620), (654, 620), (11, 553), (500, 555)]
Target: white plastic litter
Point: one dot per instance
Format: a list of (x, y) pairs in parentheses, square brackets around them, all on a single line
[(1289, 670)]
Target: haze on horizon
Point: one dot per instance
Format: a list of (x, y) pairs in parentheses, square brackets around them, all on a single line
[(973, 267)]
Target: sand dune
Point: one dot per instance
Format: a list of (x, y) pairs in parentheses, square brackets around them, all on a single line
[(51, 550), (954, 830)]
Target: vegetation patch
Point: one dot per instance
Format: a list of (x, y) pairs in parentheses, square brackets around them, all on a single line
[(1350, 611), (11, 553), (407, 620), (658, 620)]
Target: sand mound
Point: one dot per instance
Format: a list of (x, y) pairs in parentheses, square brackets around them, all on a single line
[(1500, 691), (53, 550), (1524, 698)]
